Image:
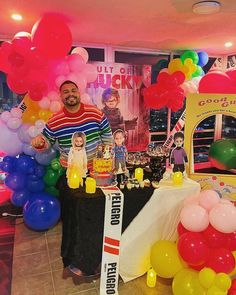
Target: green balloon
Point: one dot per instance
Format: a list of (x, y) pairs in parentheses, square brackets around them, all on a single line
[(198, 72), (50, 178), (55, 164), (52, 190), (222, 154), (190, 54)]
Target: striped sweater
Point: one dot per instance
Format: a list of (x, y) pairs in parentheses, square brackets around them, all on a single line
[(89, 120)]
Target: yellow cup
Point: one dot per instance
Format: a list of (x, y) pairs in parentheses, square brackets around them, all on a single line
[(90, 184)]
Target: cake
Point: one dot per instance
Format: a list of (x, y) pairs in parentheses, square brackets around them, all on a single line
[(103, 167)]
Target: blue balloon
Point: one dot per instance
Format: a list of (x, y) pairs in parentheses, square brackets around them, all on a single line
[(25, 164), (203, 58), (42, 212), (39, 171), (7, 166), (16, 181), (34, 184), (19, 198)]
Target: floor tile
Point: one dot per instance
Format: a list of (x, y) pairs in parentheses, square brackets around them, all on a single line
[(29, 244)]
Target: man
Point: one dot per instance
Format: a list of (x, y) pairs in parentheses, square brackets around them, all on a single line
[(74, 117)]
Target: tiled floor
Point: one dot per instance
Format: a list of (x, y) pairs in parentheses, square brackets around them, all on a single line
[(38, 270)]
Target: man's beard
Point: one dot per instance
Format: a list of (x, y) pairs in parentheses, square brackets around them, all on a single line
[(72, 100)]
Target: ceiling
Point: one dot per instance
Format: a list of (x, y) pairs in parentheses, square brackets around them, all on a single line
[(163, 25)]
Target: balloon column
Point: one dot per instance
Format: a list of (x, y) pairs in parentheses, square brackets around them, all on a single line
[(36, 64), (204, 257), (181, 76)]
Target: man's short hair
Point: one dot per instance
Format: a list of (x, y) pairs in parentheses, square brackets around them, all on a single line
[(68, 82), (107, 93), (178, 135)]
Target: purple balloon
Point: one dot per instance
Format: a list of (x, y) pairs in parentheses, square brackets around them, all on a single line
[(23, 133), (28, 149), (45, 158), (9, 141)]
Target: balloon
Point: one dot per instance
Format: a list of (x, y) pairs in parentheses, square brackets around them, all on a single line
[(8, 164), (28, 149), (190, 54), (9, 141), (44, 103), (55, 164), (76, 62), (34, 184), (231, 241), (193, 248), (208, 199), (203, 58), (42, 212), (16, 181), (165, 259), (16, 112), (186, 282), (55, 106), (181, 229), (90, 71), (82, 52), (18, 84), (222, 281), (206, 277), (44, 158), (25, 164), (47, 36), (23, 133), (221, 260), (14, 123), (52, 191), (214, 238), (39, 171), (213, 290), (233, 272), (223, 218), (194, 218), (222, 154), (51, 177), (19, 198), (5, 116), (5, 194)]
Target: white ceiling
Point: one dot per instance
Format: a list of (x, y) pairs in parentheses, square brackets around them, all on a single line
[(152, 24)]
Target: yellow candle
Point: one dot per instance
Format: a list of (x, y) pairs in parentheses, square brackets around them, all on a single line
[(178, 178), (90, 185), (151, 278), (138, 174), (74, 178)]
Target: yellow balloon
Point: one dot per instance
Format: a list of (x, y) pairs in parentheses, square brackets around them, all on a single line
[(165, 259), (213, 290), (233, 272), (222, 281), (186, 282), (175, 65), (206, 277), (45, 115)]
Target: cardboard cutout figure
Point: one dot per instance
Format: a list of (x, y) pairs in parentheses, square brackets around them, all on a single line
[(178, 157), (119, 152)]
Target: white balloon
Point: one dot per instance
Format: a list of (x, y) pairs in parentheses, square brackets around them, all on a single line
[(14, 123), (39, 124), (33, 131), (82, 52), (55, 106), (53, 95), (44, 103), (5, 116), (16, 112)]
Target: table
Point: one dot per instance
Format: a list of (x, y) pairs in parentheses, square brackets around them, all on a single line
[(158, 220), (83, 219)]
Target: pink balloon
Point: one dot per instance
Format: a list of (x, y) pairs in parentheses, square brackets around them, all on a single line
[(60, 67), (82, 52), (16, 112), (194, 218), (208, 199), (5, 116), (55, 106), (75, 62), (90, 72), (52, 36), (44, 103), (85, 98), (14, 123), (223, 218)]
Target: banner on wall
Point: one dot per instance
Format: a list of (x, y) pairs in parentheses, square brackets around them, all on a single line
[(117, 91)]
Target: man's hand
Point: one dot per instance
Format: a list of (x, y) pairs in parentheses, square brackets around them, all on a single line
[(39, 142)]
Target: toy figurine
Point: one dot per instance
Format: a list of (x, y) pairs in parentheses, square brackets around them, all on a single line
[(106, 153), (77, 161), (119, 151), (178, 157), (99, 151)]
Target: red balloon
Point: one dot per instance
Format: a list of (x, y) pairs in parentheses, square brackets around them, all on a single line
[(221, 260), (22, 45), (52, 36), (193, 248), (17, 84), (214, 238), (216, 82), (181, 229), (231, 241)]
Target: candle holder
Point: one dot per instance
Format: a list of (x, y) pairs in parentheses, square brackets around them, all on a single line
[(157, 165), (90, 185)]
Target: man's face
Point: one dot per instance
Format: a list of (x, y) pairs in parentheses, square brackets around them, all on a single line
[(70, 95), (179, 141), (111, 103)]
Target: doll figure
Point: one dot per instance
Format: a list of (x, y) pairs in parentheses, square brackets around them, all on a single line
[(178, 157), (106, 153), (77, 160), (119, 151), (99, 151)]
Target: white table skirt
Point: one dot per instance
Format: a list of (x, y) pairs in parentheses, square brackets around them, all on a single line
[(157, 220)]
